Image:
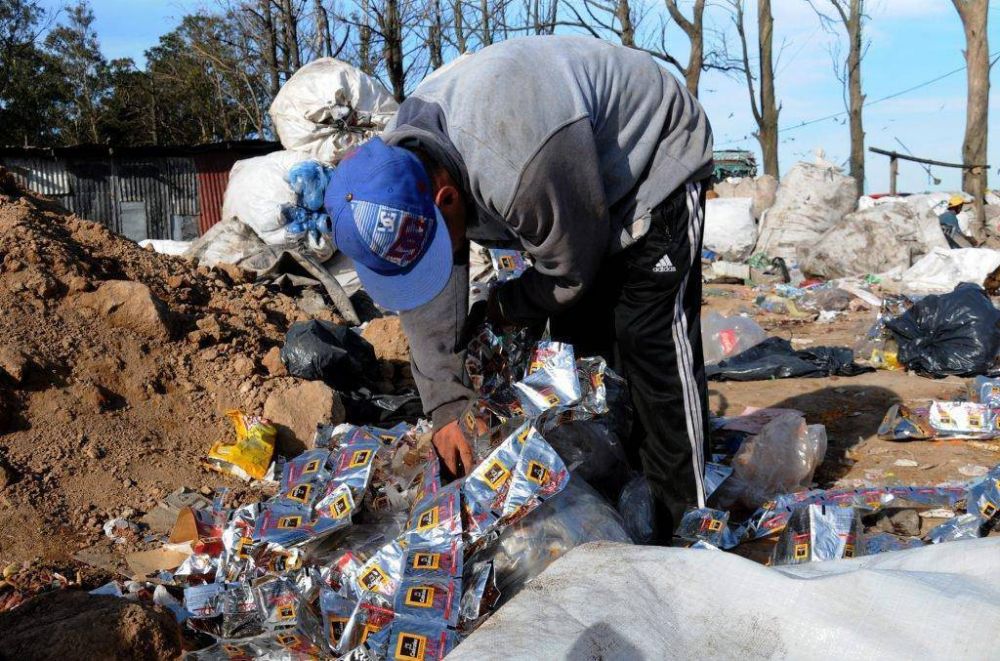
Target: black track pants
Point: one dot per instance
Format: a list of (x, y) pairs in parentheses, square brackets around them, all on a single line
[(644, 315)]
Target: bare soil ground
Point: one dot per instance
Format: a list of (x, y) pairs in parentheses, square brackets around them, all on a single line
[(115, 367)]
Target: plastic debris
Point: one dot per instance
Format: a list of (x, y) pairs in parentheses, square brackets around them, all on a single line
[(819, 532), (508, 264), (774, 358), (781, 458), (249, 455), (949, 334), (120, 530), (323, 351), (724, 337)]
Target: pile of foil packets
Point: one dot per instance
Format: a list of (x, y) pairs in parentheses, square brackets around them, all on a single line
[(826, 524), (365, 552)]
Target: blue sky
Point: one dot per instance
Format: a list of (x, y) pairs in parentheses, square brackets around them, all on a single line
[(912, 41)]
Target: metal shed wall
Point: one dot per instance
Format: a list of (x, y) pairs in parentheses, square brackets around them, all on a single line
[(105, 184)]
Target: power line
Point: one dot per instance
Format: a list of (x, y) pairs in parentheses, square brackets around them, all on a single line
[(995, 56), (884, 98)]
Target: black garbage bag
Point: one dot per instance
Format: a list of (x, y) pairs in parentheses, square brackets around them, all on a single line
[(949, 334), (774, 358), (364, 408), (323, 351)]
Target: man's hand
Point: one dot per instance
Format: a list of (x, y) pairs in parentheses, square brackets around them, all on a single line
[(453, 448)]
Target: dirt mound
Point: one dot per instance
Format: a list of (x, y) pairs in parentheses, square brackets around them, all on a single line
[(72, 624), (115, 364)]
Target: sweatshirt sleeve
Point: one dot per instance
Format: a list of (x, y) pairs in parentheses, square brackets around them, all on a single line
[(437, 360), (561, 215)]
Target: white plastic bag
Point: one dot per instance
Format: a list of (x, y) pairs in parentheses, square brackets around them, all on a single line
[(880, 238), (941, 269), (329, 106), (724, 337), (257, 190), (166, 246), (227, 242), (765, 189), (730, 229), (780, 459), (811, 198)]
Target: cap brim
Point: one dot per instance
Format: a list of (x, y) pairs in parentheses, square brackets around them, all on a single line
[(420, 283)]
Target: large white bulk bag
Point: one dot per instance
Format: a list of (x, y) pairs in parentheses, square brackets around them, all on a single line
[(730, 229), (327, 107), (258, 188), (811, 198)]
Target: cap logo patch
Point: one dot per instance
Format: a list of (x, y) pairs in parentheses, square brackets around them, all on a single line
[(395, 235)]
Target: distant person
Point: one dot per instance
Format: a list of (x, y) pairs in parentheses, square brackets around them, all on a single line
[(949, 222), (594, 160)]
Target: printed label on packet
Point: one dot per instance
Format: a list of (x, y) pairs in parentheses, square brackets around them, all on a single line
[(434, 599), (419, 639)]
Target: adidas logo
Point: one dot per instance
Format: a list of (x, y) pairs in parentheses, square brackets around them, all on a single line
[(664, 265)]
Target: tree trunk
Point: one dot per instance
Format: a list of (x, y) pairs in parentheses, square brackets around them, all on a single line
[(459, 25), (694, 29), (291, 32), (977, 58), (324, 41), (856, 98), (270, 48), (365, 62), (434, 46), (623, 12), (484, 22), (553, 15), (768, 128), (392, 50)]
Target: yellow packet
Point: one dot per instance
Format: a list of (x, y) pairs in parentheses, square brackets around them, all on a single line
[(249, 456)]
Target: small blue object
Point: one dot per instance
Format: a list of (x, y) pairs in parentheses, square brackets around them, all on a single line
[(308, 180), (299, 220)]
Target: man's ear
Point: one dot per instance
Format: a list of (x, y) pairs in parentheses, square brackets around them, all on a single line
[(447, 197)]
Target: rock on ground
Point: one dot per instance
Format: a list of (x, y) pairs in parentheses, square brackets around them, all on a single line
[(71, 624), (392, 349), (386, 336), (130, 305), (272, 362), (14, 363), (296, 410)]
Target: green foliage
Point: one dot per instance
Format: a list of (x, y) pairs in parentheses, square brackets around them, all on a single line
[(31, 87), (197, 86), (201, 84)]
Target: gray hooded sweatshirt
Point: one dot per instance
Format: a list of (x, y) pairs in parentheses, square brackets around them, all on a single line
[(563, 145)]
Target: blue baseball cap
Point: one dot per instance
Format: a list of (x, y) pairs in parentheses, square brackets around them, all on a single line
[(380, 200)]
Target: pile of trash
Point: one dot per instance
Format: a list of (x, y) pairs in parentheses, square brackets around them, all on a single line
[(273, 223), (366, 550), (770, 473), (116, 365), (814, 225), (736, 348)]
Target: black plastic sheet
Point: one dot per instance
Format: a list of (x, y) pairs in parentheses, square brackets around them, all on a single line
[(774, 358)]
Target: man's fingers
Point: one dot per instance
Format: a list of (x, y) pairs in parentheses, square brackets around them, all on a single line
[(446, 451), (465, 452), (450, 458)]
